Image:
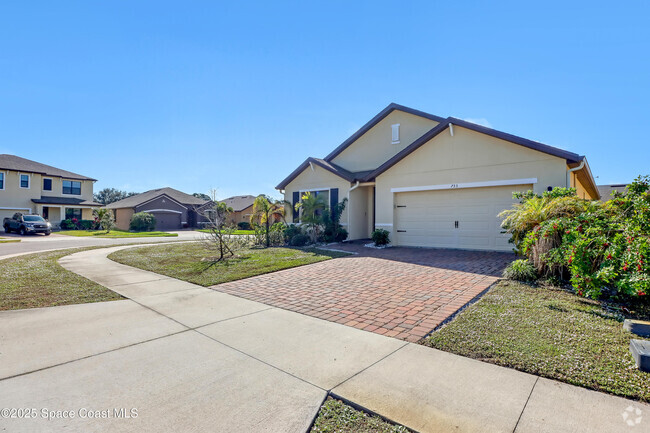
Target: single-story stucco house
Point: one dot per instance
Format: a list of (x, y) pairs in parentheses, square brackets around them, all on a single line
[(433, 181), (242, 207), (173, 209)]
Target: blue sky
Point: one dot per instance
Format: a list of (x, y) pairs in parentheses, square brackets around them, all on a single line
[(233, 96)]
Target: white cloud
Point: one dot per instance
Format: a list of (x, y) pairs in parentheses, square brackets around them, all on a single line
[(480, 121)]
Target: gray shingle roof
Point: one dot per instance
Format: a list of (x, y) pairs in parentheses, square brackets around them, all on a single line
[(239, 202), (174, 194), (16, 163), (65, 200), (606, 190)]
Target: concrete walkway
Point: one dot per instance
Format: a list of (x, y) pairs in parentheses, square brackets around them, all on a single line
[(187, 358)]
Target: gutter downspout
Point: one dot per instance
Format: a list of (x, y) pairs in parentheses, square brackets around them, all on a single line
[(348, 206), (571, 170)]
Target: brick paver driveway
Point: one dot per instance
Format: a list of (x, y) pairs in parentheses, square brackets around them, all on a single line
[(398, 292)]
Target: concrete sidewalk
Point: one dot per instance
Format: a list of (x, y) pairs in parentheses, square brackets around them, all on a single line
[(193, 359)]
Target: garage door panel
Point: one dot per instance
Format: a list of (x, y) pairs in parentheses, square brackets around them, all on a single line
[(427, 218)]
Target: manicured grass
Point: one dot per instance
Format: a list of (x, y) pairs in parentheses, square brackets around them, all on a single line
[(236, 232), (192, 261), (550, 333), (115, 234), (6, 241), (337, 417), (37, 280)]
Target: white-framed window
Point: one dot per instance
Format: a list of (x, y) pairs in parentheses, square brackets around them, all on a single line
[(2, 181), (71, 187), (394, 133), (24, 181)]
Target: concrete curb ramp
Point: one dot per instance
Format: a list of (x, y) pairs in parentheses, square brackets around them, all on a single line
[(187, 358)]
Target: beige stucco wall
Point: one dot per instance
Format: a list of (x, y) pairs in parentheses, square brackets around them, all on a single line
[(15, 199), (468, 156), (318, 178), (374, 147), (123, 218)]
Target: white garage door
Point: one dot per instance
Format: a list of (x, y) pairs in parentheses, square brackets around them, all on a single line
[(456, 218)]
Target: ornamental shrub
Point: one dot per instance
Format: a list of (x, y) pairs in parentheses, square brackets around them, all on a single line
[(86, 224), (601, 248), (67, 224), (244, 225), (521, 270), (380, 237), (142, 222), (290, 231), (299, 240)]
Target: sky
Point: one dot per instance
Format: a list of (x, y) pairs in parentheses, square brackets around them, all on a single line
[(233, 96)]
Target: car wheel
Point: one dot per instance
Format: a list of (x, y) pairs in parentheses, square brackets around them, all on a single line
[(47, 233), (23, 232), (7, 229)]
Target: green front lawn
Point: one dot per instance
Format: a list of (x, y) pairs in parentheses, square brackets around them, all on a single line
[(337, 417), (115, 234), (236, 232), (550, 333), (191, 261), (37, 280), (5, 241)]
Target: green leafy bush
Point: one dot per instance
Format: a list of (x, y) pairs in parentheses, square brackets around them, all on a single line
[(142, 222), (380, 237), (290, 231), (68, 224), (299, 240), (601, 248), (244, 225), (520, 270), (86, 224)]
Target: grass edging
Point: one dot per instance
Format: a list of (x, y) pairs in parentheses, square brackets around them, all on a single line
[(359, 408), (547, 332)]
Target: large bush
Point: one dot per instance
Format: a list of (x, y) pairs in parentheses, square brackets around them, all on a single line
[(601, 248), (142, 222)]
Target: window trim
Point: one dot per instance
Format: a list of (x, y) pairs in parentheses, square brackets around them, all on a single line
[(51, 183), (70, 193), (65, 213), (4, 180), (20, 181)]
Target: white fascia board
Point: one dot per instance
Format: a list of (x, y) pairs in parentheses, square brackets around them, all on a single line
[(526, 181), (161, 210)]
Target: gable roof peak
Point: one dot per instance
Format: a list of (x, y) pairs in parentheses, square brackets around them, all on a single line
[(375, 120)]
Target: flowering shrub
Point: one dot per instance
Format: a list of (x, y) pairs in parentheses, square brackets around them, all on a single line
[(602, 250)]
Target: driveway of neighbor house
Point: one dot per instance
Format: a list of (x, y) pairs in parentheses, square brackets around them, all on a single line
[(398, 292), (187, 358)]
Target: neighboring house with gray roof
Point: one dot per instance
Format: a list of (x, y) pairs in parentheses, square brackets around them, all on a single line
[(172, 208), (606, 190), (32, 187), (242, 207)]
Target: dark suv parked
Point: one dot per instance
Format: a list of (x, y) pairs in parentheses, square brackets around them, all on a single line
[(25, 224)]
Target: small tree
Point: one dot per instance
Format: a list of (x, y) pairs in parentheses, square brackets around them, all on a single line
[(265, 212), (111, 195), (219, 237), (104, 218), (312, 206)]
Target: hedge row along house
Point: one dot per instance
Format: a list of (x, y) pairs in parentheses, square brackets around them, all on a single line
[(433, 181)]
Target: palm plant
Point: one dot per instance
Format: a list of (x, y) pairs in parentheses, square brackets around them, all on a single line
[(312, 206), (105, 218), (533, 210), (265, 211)]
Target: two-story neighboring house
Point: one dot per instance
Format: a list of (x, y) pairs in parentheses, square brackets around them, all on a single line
[(433, 181), (31, 187)]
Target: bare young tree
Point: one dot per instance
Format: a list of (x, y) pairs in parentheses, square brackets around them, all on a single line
[(219, 237)]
